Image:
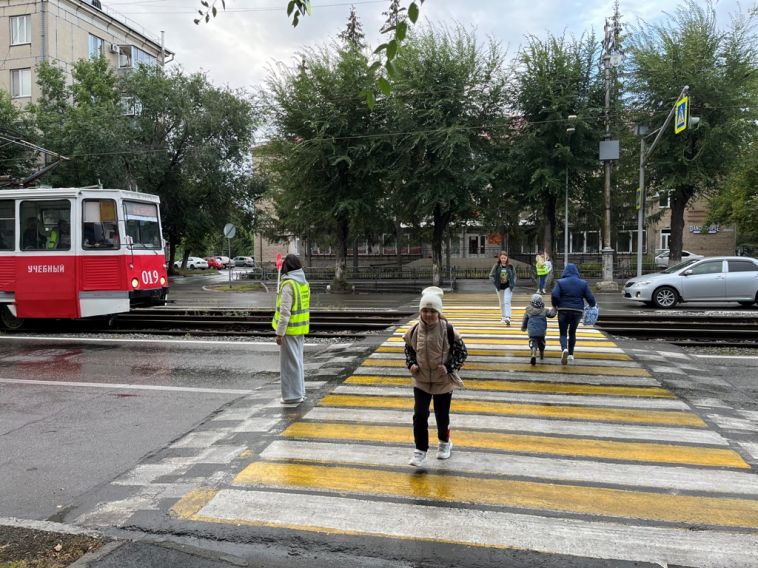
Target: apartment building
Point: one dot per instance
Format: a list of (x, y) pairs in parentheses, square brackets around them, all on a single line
[(62, 32)]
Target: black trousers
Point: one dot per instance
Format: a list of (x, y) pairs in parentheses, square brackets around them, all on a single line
[(422, 399)]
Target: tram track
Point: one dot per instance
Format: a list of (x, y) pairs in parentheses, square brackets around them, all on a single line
[(684, 329)]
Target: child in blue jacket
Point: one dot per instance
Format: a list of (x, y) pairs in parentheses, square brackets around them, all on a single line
[(535, 322)]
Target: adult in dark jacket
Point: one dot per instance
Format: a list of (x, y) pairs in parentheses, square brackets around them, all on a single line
[(568, 297)]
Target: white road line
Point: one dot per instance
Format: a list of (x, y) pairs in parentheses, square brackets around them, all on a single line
[(747, 357), (124, 386), (271, 343), (608, 540), (638, 476), (537, 398), (529, 425)]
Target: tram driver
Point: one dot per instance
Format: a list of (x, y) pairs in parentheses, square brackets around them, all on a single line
[(32, 237)]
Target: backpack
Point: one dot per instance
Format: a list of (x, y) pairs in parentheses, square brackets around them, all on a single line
[(590, 315)]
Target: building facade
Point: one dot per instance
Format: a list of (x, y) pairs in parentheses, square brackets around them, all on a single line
[(61, 32)]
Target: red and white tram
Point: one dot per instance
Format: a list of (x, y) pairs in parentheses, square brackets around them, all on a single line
[(75, 253)]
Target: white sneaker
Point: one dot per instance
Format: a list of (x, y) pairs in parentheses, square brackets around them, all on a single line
[(570, 358), (564, 357), (418, 458), (507, 321), (444, 449)]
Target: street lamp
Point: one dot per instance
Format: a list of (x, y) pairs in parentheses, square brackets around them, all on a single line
[(570, 130)]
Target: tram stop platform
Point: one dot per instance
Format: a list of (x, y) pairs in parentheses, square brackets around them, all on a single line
[(594, 459)]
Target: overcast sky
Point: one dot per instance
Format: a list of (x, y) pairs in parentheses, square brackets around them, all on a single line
[(240, 46)]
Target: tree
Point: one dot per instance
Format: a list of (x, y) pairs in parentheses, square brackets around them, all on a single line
[(323, 154), (555, 78), (447, 105), (737, 203), (16, 158), (719, 67)]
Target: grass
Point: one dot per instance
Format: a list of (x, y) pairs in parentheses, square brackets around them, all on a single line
[(29, 548)]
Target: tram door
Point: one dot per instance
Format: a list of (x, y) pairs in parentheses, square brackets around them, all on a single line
[(46, 264)]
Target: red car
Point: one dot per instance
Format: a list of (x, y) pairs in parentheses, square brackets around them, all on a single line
[(213, 262)]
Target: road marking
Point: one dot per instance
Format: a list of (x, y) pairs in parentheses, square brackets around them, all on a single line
[(525, 367), (491, 529), (528, 443), (627, 504), (747, 357), (523, 386), (192, 502), (272, 344), (124, 386), (514, 424), (550, 352), (669, 417), (674, 478)]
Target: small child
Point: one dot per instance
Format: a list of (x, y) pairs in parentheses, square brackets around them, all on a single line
[(434, 351), (535, 322)]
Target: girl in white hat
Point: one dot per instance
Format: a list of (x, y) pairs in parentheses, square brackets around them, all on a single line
[(434, 352)]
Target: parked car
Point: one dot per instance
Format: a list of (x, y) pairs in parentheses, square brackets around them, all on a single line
[(193, 262), (213, 262), (225, 260), (710, 279), (662, 258), (244, 261)]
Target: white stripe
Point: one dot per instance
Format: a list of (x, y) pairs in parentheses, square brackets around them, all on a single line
[(133, 340), (748, 357), (529, 425), (639, 476), (520, 359), (539, 398), (707, 549), (124, 386), (527, 376)]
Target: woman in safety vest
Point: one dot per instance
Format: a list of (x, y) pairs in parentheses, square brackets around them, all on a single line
[(291, 322)]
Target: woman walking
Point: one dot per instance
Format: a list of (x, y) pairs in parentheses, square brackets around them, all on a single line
[(503, 277), (291, 322), (434, 352), (541, 269), (569, 294)]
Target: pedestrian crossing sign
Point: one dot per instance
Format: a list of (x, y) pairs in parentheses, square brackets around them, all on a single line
[(682, 114)]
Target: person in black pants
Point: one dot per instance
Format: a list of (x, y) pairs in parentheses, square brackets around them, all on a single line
[(568, 297), (434, 352)]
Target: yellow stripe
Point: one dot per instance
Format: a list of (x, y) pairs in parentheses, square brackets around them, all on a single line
[(516, 342), (667, 417), (527, 443), (508, 493), (192, 502), (524, 386), (563, 369), (473, 332), (517, 353)]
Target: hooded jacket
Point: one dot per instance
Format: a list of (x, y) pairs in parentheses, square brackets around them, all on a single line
[(570, 291), (288, 298), (535, 320)]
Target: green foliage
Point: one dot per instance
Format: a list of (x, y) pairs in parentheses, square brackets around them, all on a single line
[(16, 160), (719, 66), (737, 203)]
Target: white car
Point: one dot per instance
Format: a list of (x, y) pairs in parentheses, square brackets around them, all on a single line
[(662, 258), (193, 262), (708, 280)]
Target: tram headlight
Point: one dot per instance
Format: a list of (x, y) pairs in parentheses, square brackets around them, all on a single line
[(163, 281), (135, 283)]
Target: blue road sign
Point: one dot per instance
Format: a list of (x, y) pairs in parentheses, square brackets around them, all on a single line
[(682, 114)]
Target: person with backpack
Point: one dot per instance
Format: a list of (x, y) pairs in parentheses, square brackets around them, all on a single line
[(535, 323), (503, 277), (434, 352), (568, 297)]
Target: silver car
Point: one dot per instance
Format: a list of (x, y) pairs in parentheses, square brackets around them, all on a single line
[(662, 258), (711, 279)]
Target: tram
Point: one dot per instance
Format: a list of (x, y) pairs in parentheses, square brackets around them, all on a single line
[(71, 253)]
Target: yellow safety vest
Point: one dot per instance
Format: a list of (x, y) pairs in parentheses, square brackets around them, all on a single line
[(52, 240), (542, 269), (299, 323)]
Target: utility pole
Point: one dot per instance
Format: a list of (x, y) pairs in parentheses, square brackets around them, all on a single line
[(609, 149)]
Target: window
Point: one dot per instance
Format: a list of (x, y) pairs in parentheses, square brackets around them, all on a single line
[(99, 224), (47, 225), (96, 46), (476, 244), (142, 225), (131, 106), (130, 57), (7, 224), (664, 199), (742, 266), (21, 83), (712, 267), (21, 29), (665, 238)]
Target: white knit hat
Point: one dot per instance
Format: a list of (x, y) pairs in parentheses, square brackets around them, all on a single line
[(433, 290), (432, 301)]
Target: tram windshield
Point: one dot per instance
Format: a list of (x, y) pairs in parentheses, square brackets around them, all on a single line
[(100, 224), (142, 224)]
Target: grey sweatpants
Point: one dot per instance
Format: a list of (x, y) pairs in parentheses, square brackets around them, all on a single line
[(291, 367)]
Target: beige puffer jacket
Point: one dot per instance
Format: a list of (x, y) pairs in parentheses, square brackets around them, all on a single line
[(432, 349)]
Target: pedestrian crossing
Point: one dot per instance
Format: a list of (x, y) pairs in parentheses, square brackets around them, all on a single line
[(594, 458)]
